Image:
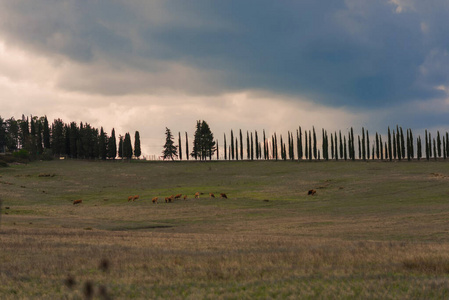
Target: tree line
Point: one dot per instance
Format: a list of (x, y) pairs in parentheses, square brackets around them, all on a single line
[(304, 145), (35, 137)]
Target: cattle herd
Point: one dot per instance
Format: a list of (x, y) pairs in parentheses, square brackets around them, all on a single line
[(179, 196)]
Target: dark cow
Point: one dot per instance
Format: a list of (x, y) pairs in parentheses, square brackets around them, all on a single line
[(311, 192)]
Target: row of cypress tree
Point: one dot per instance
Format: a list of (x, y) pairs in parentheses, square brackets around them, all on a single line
[(39, 138), (334, 146)]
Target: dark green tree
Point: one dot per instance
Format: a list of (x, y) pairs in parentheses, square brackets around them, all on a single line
[(112, 145), (252, 146), (127, 147), (256, 138), (315, 150), (204, 143), (438, 144), (241, 145), (389, 145), (137, 150), (187, 146), (102, 144), (232, 144), (120, 147), (248, 146), (179, 145), (170, 150)]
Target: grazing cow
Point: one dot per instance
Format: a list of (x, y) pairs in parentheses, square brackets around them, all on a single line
[(166, 199), (185, 197), (130, 198), (154, 200), (223, 195), (311, 192), (211, 195), (197, 195), (170, 199), (77, 201), (135, 197), (178, 196)]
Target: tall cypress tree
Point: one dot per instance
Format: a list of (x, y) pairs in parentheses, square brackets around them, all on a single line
[(341, 146), (367, 145), (218, 154), (248, 146), (438, 144), (120, 146), (187, 146), (232, 145), (257, 144), (360, 147), (102, 144), (252, 146), (241, 145), (179, 145), (363, 144), (112, 144), (300, 152), (336, 145), (352, 144), (447, 144), (377, 146), (265, 145), (276, 146), (315, 154), (127, 147), (310, 145), (138, 151), (306, 145), (402, 143), (427, 146)]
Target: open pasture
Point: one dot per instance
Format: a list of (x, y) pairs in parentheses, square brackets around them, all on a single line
[(372, 230)]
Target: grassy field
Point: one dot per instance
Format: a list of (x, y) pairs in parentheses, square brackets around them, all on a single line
[(374, 230)]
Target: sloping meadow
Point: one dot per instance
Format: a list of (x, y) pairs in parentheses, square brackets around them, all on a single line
[(372, 230)]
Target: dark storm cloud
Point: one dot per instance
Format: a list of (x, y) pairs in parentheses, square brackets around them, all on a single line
[(342, 53)]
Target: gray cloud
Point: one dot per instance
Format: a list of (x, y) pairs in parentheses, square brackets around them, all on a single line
[(355, 53)]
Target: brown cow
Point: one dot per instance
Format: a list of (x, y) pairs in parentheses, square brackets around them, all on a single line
[(211, 195), (154, 200), (223, 195), (166, 199), (197, 195), (311, 192), (185, 197), (130, 198), (178, 196), (135, 197), (77, 201)]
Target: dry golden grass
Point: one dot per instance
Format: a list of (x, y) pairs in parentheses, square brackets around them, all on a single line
[(373, 231)]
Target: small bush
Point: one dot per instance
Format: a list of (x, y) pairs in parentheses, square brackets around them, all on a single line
[(22, 154), (47, 155)]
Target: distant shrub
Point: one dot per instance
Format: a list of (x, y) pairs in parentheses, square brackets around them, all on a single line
[(22, 154), (47, 155)]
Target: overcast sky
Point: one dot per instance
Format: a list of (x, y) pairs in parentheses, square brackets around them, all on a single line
[(275, 65)]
